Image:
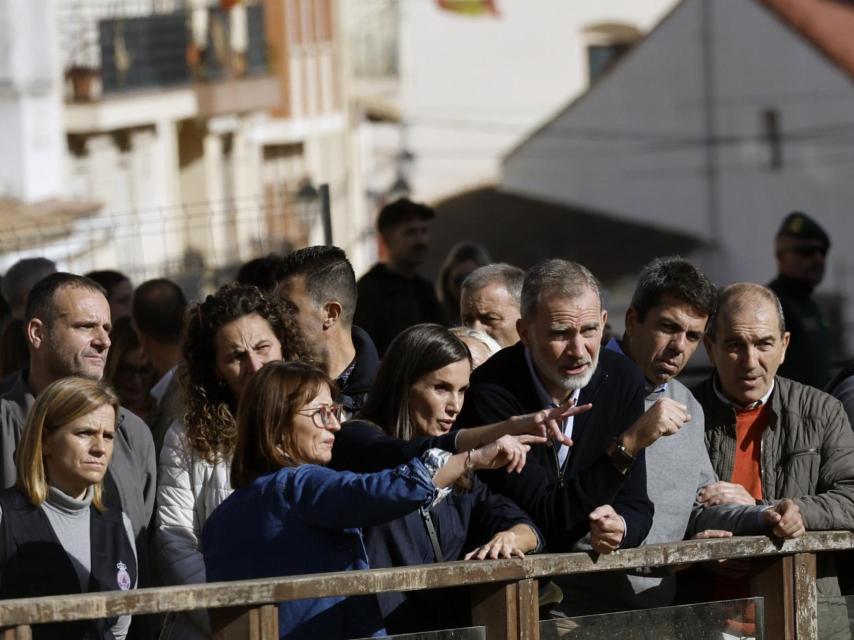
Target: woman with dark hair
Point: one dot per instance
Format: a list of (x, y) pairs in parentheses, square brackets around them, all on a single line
[(56, 535), (462, 259), (291, 515), (229, 337), (128, 370), (423, 378)]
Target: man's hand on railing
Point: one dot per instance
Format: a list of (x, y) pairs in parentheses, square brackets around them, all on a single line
[(785, 519), (724, 493), (708, 534), (607, 529)]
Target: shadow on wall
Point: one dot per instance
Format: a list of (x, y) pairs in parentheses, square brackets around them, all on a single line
[(523, 230)]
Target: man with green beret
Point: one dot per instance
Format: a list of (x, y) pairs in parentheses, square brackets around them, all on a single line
[(801, 247)]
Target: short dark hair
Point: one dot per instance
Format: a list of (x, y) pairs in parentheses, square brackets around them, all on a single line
[(40, 300), (260, 272), (108, 279), (158, 310), (328, 276), (402, 210), (677, 277), (22, 276), (415, 352)]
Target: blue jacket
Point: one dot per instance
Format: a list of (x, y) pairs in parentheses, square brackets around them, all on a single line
[(307, 519)]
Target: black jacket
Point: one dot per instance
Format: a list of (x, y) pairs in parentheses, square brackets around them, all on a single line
[(463, 521), (559, 501), (389, 303), (363, 447), (354, 390)]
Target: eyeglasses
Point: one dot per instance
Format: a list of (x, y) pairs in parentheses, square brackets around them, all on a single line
[(809, 250), (322, 416)]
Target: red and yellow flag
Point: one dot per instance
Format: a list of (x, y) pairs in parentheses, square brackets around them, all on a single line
[(470, 7)]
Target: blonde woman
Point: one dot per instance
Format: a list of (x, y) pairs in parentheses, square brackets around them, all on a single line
[(56, 536)]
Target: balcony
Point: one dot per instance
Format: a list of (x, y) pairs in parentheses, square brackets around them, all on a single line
[(129, 48)]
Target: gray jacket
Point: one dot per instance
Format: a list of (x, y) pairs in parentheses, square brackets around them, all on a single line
[(807, 454), (133, 467)]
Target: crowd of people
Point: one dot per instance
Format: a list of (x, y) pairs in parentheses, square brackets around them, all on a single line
[(297, 421)]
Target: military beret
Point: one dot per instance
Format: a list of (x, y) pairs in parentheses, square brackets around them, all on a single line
[(800, 226)]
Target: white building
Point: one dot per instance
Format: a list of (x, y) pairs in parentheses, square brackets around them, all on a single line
[(441, 96), (191, 128), (726, 117)]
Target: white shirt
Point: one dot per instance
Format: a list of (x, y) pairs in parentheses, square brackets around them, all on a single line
[(549, 402)]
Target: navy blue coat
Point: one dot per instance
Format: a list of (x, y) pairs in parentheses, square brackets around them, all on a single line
[(307, 519), (463, 522), (559, 500)]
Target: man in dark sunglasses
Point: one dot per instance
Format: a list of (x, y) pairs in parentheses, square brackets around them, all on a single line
[(801, 247)]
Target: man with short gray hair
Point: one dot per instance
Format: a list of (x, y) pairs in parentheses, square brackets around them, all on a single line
[(490, 299), (594, 480)]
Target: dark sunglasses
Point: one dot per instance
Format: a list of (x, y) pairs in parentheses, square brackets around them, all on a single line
[(809, 250)]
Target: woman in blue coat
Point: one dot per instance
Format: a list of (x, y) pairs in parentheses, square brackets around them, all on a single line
[(419, 390), (291, 515)]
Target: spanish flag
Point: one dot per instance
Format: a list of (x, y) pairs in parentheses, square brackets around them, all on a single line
[(470, 7)]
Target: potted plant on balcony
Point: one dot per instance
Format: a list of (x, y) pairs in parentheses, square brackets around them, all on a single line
[(84, 81)]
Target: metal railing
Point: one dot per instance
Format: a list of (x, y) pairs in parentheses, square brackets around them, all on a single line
[(504, 592)]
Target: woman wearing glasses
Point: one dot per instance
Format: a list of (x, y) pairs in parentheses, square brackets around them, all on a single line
[(229, 336), (290, 515)]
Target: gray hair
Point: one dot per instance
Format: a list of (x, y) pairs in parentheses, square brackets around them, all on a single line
[(21, 277), (468, 332), (499, 273), (735, 297), (556, 276)]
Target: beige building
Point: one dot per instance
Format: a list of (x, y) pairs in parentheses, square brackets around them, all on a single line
[(195, 132)]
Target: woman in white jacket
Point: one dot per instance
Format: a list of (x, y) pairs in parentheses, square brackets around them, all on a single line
[(229, 336)]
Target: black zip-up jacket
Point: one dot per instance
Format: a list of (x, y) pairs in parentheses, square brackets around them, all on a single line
[(560, 500)]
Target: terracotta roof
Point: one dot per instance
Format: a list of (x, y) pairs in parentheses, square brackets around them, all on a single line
[(827, 24), (26, 225)]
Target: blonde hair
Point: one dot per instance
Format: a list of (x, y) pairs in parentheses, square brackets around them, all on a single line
[(61, 402)]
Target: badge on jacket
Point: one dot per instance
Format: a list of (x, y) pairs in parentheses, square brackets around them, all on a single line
[(122, 576)]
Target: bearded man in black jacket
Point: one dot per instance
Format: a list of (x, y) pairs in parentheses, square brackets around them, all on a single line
[(595, 480)]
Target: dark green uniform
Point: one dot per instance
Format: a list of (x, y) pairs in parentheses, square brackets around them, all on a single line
[(808, 356)]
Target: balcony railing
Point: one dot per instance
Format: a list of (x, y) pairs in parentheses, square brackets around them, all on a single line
[(505, 595), (110, 48)]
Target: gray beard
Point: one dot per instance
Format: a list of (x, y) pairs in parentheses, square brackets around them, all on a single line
[(573, 383)]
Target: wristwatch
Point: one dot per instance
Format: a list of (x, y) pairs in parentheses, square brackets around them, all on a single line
[(620, 456)]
